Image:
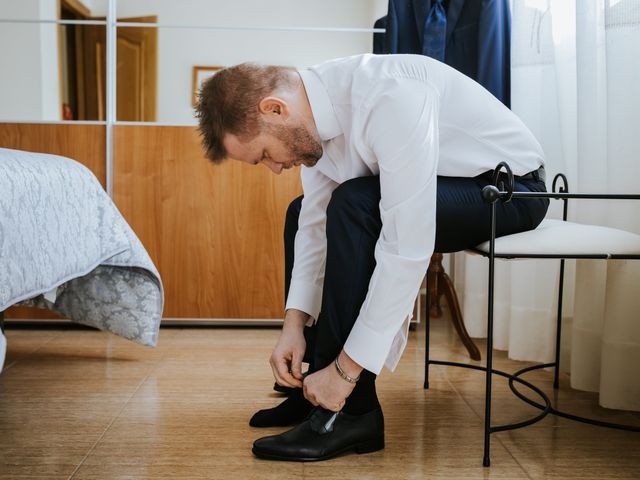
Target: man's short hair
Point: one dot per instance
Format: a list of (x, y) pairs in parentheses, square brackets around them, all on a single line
[(228, 103)]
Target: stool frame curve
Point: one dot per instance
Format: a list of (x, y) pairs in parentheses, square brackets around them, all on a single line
[(492, 194)]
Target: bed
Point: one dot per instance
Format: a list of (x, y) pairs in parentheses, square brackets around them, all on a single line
[(65, 246)]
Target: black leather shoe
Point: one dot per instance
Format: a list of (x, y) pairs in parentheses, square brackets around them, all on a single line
[(323, 435)]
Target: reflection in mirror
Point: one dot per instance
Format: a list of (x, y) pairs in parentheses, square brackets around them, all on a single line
[(30, 85), (82, 62), (258, 13), (47, 9), (52, 72), (57, 72), (185, 54), (84, 67), (137, 72), (181, 50)]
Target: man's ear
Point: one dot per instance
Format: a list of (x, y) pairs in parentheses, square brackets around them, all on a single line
[(274, 109)]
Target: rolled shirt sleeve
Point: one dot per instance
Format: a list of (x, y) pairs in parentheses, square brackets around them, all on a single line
[(305, 291), (402, 131)]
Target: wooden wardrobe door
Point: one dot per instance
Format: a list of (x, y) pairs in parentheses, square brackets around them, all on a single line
[(215, 232), (83, 143)]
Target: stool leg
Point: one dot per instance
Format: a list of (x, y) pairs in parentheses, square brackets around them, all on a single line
[(449, 292), (556, 370), (436, 270), (486, 461), (427, 323)]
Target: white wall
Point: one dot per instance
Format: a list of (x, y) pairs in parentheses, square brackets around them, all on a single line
[(96, 6), (51, 105), (29, 84), (30, 89), (181, 49), (378, 9)]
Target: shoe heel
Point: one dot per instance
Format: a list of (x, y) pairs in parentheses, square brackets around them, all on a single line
[(371, 445)]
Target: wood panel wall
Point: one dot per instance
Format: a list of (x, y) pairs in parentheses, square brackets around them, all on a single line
[(83, 143), (214, 231)]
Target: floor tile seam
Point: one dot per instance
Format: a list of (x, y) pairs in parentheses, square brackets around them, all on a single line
[(31, 352), (7, 367), (116, 416), (498, 439), (522, 467), (480, 417)]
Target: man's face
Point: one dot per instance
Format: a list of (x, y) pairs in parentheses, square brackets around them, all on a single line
[(278, 147)]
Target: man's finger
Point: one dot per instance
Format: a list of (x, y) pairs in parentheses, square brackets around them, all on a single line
[(288, 379), (275, 368), (281, 381), (296, 366), (337, 407), (312, 399)]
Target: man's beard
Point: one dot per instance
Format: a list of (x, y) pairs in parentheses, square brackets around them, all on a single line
[(304, 148)]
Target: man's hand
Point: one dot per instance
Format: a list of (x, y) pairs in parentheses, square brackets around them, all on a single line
[(286, 359), (325, 388)]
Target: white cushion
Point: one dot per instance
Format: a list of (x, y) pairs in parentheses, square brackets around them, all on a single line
[(555, 237)]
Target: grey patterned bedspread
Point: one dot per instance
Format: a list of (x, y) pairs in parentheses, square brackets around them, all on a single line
[(65, 246)]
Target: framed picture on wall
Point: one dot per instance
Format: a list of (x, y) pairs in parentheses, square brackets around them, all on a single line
[(200, 74)]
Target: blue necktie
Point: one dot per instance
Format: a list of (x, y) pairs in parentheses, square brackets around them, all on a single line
[(435, 32)]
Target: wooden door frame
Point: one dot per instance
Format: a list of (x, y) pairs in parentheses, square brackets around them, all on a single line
[(79, 12), (150, 96), (75, 6), (150, 83)]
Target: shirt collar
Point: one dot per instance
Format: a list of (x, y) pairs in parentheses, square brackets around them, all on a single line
[(321, 106)]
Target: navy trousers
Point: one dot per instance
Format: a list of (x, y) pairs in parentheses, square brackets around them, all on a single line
[(354, 225)]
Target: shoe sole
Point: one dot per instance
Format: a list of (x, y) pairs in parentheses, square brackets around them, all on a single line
[(369, 446)]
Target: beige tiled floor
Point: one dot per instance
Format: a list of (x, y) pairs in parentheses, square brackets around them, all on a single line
[(87, 405)]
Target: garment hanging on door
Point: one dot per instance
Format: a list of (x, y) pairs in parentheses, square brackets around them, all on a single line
[(379, 39), (477, 40)]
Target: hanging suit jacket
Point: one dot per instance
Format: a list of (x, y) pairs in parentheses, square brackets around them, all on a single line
[(379, 39), (477, 39)]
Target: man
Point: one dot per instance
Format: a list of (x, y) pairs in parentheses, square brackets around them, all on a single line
[(382, 141)]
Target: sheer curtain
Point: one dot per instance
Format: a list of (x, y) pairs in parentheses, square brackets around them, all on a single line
[(576, 84)]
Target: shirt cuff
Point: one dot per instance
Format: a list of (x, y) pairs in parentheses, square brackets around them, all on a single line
[(367, 347), (306, 297)]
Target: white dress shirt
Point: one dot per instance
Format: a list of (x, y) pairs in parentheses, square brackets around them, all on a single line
[(407, 118)]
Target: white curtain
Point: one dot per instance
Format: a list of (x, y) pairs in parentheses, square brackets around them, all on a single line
[(576, 84)]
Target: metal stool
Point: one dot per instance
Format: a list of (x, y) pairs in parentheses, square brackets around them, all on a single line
[(621, 245)]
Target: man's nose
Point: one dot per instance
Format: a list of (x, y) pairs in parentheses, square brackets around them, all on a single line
[(275, 167)]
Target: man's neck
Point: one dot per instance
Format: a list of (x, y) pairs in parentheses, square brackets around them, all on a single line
[(305, 104)]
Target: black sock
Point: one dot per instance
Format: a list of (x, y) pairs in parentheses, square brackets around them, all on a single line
[(293, 410), (363, 399)]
